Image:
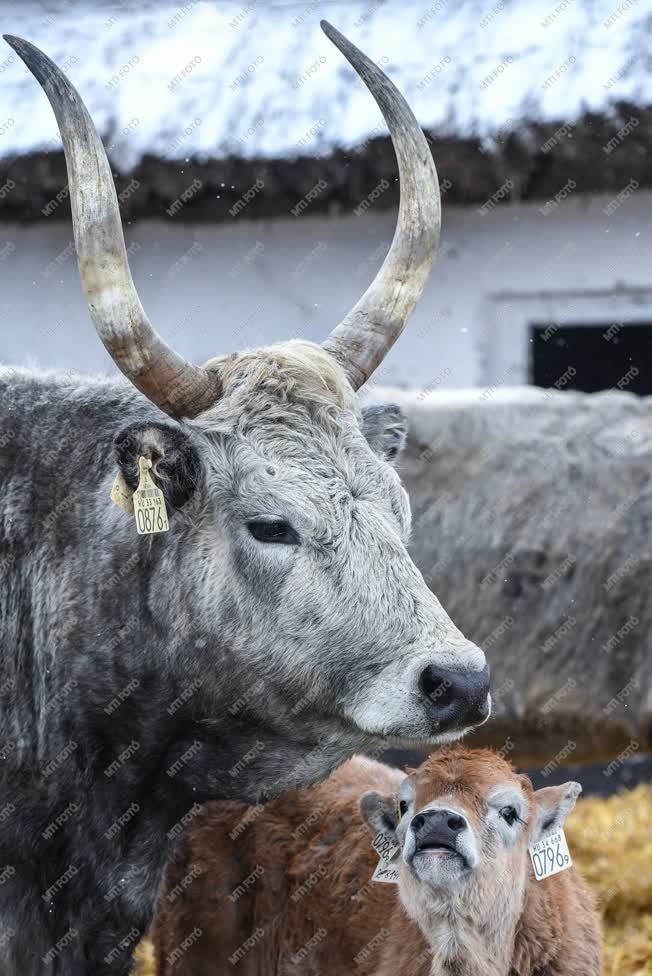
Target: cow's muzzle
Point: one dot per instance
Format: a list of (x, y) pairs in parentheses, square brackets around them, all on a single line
[(456, 699)]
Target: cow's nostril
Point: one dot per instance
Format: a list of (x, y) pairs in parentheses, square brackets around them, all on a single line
[(455, 699), (418, 822), (456, 823), (437, 687)]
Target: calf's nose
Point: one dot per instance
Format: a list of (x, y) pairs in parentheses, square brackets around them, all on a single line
[(455, 699), (437, 828)]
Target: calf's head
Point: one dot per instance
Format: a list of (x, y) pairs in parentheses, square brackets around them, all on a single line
[(464, 821), (291, 524)]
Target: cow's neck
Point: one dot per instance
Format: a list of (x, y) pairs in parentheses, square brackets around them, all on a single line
[(464, 948), (471, 939)]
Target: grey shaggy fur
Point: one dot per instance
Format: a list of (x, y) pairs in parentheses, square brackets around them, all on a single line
[(143, 675), (532, 520)]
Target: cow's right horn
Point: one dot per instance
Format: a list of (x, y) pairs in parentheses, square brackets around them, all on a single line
[(167, 379), (365, 335)]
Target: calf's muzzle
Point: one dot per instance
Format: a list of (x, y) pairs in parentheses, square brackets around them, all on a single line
[(437, 830)]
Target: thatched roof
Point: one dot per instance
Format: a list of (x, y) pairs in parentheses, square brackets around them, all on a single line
[(523, 95)]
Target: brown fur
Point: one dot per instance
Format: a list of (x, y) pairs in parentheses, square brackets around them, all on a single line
[(309, 898)]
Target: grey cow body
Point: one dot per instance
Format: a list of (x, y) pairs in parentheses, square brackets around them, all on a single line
[(144, 675), (82, 626)]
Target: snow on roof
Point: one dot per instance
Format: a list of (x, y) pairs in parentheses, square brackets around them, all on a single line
[(257, 79)]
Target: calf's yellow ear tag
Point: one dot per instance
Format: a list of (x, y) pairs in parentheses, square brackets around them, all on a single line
[(149, 503)]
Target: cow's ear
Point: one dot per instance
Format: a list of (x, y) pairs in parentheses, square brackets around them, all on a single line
[(176, 466), (385, 428), (553, 804), (379, 813)]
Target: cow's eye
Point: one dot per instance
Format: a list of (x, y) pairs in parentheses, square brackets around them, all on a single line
[(509, 815), (402, 808), (281, 532)]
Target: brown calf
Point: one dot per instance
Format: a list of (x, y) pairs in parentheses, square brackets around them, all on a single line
[(286, 890)]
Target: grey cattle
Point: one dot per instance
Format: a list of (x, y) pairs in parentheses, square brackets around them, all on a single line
[(532, 514), (276, 628)]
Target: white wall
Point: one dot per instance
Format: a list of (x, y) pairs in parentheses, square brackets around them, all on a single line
[(253, 283)]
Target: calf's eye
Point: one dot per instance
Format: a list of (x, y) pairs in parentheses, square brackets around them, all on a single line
[(509, 815), (402, 808), (279, 532)]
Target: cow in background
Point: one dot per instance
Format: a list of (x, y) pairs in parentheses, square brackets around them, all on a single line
[(531, 511)]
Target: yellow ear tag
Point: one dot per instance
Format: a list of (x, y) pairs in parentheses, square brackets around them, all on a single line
[(149, 503), (122, 494)]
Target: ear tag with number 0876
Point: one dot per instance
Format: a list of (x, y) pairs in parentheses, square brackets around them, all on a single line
[(149, 503)]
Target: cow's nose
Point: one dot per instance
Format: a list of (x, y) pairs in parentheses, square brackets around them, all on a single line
[(456, 699), (437, 828)]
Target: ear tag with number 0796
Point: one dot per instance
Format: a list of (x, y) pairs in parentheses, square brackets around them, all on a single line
[(149, 503), (550, 855)]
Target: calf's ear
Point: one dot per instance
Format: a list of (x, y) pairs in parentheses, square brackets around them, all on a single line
[(385, 428), (379, 813), (176, 466), (553, 804)]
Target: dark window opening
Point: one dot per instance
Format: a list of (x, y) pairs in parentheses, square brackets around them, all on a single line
[(613, 355)]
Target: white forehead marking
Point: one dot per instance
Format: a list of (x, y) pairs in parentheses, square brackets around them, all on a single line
[(505, 792)]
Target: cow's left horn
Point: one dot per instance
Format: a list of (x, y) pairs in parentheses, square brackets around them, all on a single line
[(369, 330), (175, 385)]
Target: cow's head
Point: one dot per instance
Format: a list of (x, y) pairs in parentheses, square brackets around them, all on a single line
[(293, 520)]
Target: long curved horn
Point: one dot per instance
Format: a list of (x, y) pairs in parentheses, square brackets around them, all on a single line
[(168, 380), (362, 339)]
